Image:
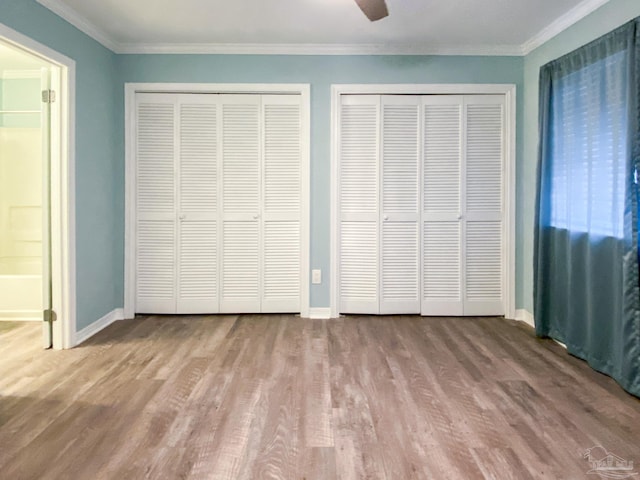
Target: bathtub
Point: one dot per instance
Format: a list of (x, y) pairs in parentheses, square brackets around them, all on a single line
[(20, 297)]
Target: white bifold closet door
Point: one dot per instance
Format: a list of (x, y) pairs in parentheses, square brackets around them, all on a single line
[(261, 200), (218, 203), (379, 198), (422, 204), (176, 202), (463, 205)]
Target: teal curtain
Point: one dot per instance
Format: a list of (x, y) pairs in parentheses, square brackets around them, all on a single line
[(586, 266)]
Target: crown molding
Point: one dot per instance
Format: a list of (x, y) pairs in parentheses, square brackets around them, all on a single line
[(317, 49), (559, 25), (81, 23), (562, 23)]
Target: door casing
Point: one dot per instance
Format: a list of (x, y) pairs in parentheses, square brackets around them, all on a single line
[(63, 261)]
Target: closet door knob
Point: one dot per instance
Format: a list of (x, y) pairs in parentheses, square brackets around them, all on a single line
[(256, 216), (385, 218), (182, 217)]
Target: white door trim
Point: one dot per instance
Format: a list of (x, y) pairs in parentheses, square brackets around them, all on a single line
[(509, 92), (131, 89), (62, 183)]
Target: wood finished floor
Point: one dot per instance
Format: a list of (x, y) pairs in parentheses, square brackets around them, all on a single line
[(277, 397)]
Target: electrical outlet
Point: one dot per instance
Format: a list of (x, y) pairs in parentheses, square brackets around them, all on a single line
[(316, 277)]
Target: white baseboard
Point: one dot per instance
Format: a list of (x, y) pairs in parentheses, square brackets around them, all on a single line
[(98, 325), (525, 316), (20, 316), (560, 343), (320, 313)]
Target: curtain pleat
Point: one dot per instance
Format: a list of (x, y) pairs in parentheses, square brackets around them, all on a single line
[(586, 285)]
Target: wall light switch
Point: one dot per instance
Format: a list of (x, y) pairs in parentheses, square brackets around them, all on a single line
[(316, 277)]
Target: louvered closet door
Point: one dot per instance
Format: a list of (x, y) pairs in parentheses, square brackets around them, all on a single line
[(359, 200), (241, 285), (400, 202), (443, 206), (197, 285), (281, 203), (156, 149), (484, 199)]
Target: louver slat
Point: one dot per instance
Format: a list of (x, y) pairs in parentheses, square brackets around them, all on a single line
[(281, 157), (442, 158), (155, 158), (484, 158), (198, 158), (240, 268), (241, 157)]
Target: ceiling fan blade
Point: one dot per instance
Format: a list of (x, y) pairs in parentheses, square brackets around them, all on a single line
[(373, 9)]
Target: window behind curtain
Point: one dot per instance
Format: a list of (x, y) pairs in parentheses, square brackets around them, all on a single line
[(589, 147)]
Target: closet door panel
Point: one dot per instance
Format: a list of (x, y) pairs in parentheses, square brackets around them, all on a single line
[(281, 203), (241, 174), (400, 200), (156, 203), (197, 276), (281, 267), (155, 266), (359, 267), (240, 290), (198, 209), (484, 268), (484, 242), (442, 268), (400, 268), (359, 204), (443, 206)]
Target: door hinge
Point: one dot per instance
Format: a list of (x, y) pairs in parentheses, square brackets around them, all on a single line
[(49, 316), (48, 96)]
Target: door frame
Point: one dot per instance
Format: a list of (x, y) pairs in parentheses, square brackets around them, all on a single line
[(63, 238), (509, 92), (131, 89)]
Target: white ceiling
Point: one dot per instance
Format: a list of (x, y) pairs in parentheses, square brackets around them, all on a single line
[(322, 26)]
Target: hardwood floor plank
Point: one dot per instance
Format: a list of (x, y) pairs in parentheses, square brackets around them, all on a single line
[(501, 464), (317, 413), (279, 397)]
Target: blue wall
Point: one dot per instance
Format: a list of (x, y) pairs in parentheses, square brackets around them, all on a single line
[(100, 128), (99, 226), (321, 72)]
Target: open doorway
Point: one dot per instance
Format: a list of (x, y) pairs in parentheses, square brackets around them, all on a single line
[(24, 191), (36, 229)]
